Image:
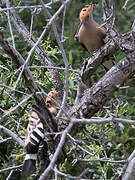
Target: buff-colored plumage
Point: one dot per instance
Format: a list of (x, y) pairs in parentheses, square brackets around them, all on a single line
[(90, 34), (50, 103)]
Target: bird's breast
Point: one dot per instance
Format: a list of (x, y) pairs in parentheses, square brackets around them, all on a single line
[(89, 37)]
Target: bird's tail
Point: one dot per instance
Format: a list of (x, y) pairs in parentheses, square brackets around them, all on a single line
[(29, 166)]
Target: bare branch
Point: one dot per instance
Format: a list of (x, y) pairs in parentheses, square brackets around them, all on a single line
[(63, 23), (75, 142), (30, 83), (101, 160), (18, 105), (57, 152), (32, 20), (11, 168), (96, 96), (29, 7), (12, 134), (39, 50), (12, 89), (19, 61), (45, 29), (124, 42), (125, 5), (52, 67), (68, 175), (130, 171), (103, 120), (55, 29), (97, 59), (41, 36), (10, 174), (9, 22), (64, 101)]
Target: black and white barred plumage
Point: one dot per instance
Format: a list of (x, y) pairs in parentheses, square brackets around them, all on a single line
[(35, 133)]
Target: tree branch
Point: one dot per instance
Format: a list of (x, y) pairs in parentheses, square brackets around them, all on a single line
[(57, 152), (11, 168), (19, 61), (97, 59), (58, 84), (130, 171), (95, 97), (13, 135)]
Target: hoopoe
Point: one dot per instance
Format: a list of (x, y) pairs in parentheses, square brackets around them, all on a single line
[(90, 34), (50, 103), (35, 134)]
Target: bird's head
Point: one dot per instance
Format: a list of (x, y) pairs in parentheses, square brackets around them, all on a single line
[(86, 12), (49, 101)]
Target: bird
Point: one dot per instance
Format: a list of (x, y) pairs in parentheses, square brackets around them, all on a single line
[(50, 103), (90, 34), (35, 134)]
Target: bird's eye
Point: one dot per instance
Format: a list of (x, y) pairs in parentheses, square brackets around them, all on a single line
[(84, 9)]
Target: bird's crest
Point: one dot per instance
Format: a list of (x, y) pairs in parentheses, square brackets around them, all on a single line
[(86, 10)]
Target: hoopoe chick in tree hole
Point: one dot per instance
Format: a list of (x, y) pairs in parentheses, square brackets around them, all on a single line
[(90, 34), (35, 134), (50, 103)]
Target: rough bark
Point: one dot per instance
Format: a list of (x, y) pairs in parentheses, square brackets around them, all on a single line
[(96, 96), (130, 171), (40, 106), (31, 40)]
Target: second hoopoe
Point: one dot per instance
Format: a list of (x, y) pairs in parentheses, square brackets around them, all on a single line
[(90, 34)]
